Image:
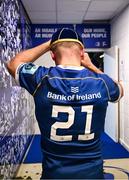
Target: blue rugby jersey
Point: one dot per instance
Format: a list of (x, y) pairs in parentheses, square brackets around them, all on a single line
[(70, 107)]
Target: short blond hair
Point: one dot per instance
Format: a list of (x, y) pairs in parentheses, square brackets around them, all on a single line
[(74, 45)]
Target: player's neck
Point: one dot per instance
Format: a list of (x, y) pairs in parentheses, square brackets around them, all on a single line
[(69, 61)]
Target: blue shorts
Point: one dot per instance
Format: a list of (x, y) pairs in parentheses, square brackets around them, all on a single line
[(92, 170)]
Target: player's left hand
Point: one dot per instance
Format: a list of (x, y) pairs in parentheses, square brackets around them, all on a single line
[(86, 61)]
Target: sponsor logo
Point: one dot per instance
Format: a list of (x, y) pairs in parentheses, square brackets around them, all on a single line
[(75, 89), (73, 97)]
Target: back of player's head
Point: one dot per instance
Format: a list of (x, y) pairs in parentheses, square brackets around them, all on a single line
[(65, 41), (66, 35)]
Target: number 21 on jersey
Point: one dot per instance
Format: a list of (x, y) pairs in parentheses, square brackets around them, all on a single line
[(66, 125)]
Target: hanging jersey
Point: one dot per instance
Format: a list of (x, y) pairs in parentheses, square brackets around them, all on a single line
[(70, 107)]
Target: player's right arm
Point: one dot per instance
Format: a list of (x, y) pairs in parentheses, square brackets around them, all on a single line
[(27, 74), (27, 56)]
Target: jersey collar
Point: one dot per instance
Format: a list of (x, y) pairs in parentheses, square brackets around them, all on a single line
[(71, 67)]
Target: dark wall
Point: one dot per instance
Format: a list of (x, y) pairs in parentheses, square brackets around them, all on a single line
[(16, 107)]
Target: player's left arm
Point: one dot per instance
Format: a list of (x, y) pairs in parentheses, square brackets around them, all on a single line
[(120, 86), (87, 63), (115, 89), (27, 56)]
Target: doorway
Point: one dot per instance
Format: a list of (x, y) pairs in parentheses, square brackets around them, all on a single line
[(97, 59)]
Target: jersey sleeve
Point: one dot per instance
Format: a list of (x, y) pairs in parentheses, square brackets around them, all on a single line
[(29, 75), (113, 88)]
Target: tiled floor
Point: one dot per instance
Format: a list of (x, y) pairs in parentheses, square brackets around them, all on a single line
[(29, 171), (119, 168), (116, 163)]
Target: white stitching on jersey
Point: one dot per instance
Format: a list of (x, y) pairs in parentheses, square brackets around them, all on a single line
[(39, 85), (107, 89), (120, 94), (87, 78), (17, 72), (56, 77)]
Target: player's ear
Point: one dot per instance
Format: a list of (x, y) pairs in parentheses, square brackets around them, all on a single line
[(53, 55), (82, 53)]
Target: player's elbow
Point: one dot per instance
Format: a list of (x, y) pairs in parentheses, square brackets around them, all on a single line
[(11, 67), (121, 89)]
